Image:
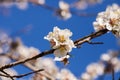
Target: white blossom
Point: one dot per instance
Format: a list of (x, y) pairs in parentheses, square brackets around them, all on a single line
[(22, 4), (41, 1), (48, 65), (4, 60), (3, 37), (6, 3), (95, 69), (85, 76), (81, 4), (105, 57), (65, 74), (24, 51), (60, 41), (116, 62), (5, 42), (64, 10), (109, 19), (61, 59)]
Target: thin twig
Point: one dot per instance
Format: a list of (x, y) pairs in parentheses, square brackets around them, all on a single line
[(2, 54), (113, 74), (3, 75), (22, 75), (8, 75), (95, 42), (89, 37), (77, 43)]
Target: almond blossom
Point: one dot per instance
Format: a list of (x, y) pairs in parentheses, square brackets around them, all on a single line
[(61, 42), (22, 4), (95, 69), (65, 74), (5, 42), (41, 1), (109, 19), (64, 11), (49, 66)]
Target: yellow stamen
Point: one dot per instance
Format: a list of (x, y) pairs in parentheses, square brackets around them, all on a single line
[(61, 38)]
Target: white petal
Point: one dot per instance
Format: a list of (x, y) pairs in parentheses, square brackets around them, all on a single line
[(63, 5)]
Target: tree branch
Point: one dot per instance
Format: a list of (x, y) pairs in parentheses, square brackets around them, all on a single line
[(77, 43), (28, 59), (27, 65), (89, 37)]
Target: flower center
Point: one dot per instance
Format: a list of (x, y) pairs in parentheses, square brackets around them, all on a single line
[(61, 38)]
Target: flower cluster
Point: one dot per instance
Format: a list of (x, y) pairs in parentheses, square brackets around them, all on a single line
[(64, 11), (61, 42), (107, 63), (109, 19)]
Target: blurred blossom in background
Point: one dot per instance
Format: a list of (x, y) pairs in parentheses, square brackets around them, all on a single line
[(24, 23)]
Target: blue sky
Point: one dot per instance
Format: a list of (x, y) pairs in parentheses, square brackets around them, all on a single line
[(42, 21)]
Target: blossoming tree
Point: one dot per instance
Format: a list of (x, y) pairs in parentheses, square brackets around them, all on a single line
[(61, 46)]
